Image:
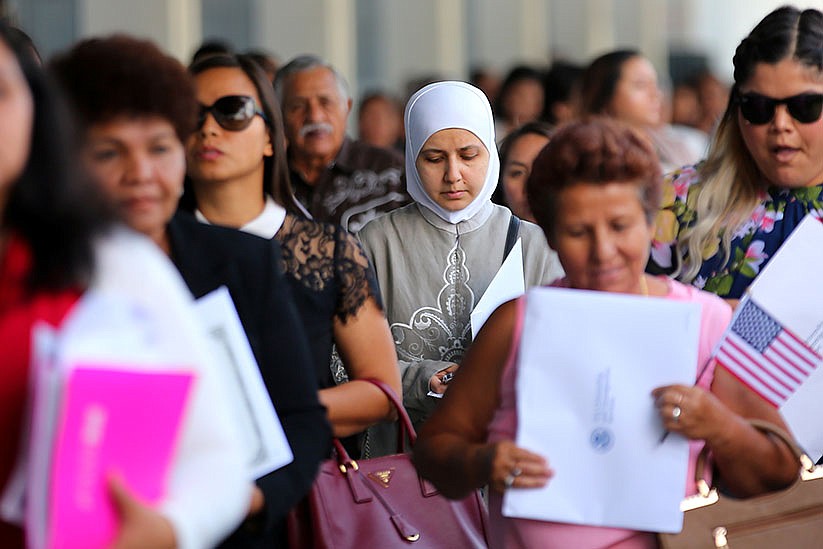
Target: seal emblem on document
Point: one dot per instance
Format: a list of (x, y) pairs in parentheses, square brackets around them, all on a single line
[(602, 440)]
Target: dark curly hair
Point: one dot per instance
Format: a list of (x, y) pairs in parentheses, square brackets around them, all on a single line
[(120, 75), (51, 206), (596, 151)]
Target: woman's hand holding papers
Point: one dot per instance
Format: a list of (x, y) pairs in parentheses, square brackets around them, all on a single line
[(748, 462), (692, 412), (513, 467)]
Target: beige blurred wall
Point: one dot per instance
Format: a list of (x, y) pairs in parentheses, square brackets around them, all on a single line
[(443, 37)]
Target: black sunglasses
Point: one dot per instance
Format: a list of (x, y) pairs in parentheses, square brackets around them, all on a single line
[(232, 112), (759, 109)]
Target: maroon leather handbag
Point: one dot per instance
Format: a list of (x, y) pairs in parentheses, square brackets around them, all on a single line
[(383, 502)]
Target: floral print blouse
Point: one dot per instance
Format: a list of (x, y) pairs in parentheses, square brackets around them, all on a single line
[(753, 243)]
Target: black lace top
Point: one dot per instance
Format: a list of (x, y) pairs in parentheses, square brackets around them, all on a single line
[(331, 276)]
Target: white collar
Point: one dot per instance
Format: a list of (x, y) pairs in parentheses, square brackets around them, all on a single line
[(462, 227), (264, 225)]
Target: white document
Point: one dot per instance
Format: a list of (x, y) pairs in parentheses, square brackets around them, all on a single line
[(42, 379), (587, 365), (508, 283), (789, 288), (255, 419)]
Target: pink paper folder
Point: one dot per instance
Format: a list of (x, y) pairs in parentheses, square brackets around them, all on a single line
[(111, 421)]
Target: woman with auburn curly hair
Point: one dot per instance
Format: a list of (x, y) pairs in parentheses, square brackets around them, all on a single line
[(594, 190)]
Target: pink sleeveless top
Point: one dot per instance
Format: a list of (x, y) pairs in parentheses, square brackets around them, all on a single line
[(513, 533)]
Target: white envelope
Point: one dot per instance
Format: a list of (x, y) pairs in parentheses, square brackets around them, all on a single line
[(588, 362)]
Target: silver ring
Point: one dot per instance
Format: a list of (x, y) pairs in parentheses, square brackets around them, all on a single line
[(676, 412), (508, 481), (516, 472)]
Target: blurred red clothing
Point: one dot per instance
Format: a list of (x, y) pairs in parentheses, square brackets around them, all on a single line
[(19, 311)]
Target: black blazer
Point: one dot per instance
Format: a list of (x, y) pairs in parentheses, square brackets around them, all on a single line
[(209, 257)]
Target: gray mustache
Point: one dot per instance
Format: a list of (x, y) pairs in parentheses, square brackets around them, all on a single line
[(314, 127)]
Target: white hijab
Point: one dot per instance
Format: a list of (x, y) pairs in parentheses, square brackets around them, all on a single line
[(441, 106)]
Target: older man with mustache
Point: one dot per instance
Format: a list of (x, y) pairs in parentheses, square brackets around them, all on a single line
[(337, 179)]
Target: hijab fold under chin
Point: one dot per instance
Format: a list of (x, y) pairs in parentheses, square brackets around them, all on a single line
[(446, 105)]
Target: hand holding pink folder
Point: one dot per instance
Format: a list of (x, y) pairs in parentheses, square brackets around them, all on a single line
[(111, 421)]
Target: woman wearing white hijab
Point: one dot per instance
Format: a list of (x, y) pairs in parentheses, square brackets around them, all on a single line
[(436, 257)]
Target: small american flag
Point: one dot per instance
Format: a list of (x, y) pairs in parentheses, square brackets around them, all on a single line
[(764, 355)]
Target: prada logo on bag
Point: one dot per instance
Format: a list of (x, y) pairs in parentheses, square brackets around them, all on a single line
[(382, 477)]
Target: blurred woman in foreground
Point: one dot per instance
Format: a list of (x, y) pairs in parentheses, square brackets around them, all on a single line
[(57, 246)]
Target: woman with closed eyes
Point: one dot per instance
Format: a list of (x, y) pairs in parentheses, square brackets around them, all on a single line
[(724, 219), (435, 258)]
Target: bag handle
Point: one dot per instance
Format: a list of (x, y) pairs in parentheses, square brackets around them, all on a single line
[(406, 428), (511, 235), (806, 464)]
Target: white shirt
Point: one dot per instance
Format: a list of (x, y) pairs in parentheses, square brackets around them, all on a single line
[(264, 225)]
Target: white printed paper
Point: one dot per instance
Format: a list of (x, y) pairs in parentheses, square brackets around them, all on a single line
[(588, 362), (507, 284), (255, 419)]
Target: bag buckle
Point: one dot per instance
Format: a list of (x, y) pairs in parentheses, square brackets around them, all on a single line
[(720, 541), (351, 464)]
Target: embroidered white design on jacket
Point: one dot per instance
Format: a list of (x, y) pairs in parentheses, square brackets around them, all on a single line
[(442, 332)]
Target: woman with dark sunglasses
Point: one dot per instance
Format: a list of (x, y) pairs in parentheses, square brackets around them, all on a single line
[(137, 106), (723, 220), (237, 168)]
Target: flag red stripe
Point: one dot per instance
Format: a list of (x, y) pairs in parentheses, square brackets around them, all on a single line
[(798, 348), (803, 344), (788, 353), (733, 343), (762, 367), (779, 366), (745, 382)]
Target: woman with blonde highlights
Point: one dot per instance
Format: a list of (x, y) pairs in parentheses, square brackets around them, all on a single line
[(723, 220)]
